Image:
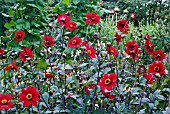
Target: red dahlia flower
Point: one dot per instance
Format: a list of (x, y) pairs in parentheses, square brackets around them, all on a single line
[(132, 45), (113, 51), (11, 66), (90, 52), (92, 86), (149, 47), (108, 95), (1, 53), (84, 43), (147, 37), (30, 96), (48, 41), (150, 79), (108, 81), (48, 75), (25, 53), (158, 55), (4, 101), (132, 49), (19, 35), (122, 26), (71, 26), (118, 38), (63, 19), (156, 67), (74, 42), (92, 18)]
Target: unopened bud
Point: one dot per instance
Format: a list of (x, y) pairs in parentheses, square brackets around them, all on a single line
[(125, 11), (116, 9)]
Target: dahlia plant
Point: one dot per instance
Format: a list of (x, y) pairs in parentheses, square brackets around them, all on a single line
[(64, 64)]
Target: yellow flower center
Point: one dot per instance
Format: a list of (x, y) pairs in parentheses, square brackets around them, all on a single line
[(89, 52), (107, 81), (156, 69), (4, 101), (71, 26), (74, 42), (112, 51), (29, 96)]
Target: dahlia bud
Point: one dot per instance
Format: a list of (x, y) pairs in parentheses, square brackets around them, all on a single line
[(13, 54), (125, 11), (101, 4), (41, 32), (50, 25), (99, 28), (123, 36), (139, 29), (156, 13), (68, 13), (108, 44), (111, 11), (140, 35), (154, 37), (96, 35), (116, 9), (64, 55)]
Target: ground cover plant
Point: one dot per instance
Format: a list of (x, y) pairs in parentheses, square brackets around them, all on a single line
[(64, 57)]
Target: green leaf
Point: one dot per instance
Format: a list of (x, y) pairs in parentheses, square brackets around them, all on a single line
[(66, 2), (82, 65), (42, 64), (76, 1), (46, 97), (11, 12), (56, 8)]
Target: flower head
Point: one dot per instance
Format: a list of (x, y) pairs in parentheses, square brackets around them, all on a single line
[(158, 55), (11, 66), (156, 67), (108, 95), (71, 26), (122, 26), (1, 53), (132, 49), (147, 37), (113, 51), (92, 86), (118, 38), (92, 18), (48, 41), (48, 75), (4, 101), (30, 96), (90, 51), (108, 81), (74, 42), (63, 19), (149, 77), (25, 53), (19, 35), (149, 47)]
